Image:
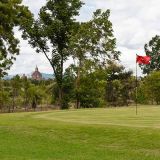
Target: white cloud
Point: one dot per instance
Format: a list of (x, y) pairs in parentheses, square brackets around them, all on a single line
[(34, 6), (128, 59), (135, 22)]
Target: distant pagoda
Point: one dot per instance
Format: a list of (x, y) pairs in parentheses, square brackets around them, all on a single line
[(36, 75)]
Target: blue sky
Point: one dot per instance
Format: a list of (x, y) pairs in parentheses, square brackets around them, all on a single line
[(135, 22)]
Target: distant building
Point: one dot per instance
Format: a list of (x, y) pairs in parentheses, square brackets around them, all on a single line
[(36, 75)]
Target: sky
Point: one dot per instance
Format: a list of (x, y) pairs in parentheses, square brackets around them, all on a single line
[(135, 22)]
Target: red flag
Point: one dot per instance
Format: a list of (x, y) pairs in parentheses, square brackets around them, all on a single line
[(143, 59)]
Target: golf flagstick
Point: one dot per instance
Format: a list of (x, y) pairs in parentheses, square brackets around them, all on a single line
[(136, 88)]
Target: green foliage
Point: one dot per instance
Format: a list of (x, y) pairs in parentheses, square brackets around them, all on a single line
[(152, 49), (35, 95), (99, 86), (92, 43), (15, 89), (68, 87), (4, 99), (93, 80), (12, 14), (21, 93), (142, 95), (152, 87), (94, 39), (53, 28), (90, 90), (57, 28), (120, 85), (24, 92)]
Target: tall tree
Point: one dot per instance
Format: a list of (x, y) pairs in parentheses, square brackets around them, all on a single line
[(50, 34), (152, 49), (93, 40), (12, 14), (16, 85)]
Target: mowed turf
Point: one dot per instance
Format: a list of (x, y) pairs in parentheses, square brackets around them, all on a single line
[(85, 134)]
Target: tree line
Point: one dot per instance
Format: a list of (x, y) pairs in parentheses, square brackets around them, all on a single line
[(98, 87), (96, 77)]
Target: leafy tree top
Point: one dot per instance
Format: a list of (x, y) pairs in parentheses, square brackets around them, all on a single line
[(50, 33), (95, 37), (152, 49), (12, 14)]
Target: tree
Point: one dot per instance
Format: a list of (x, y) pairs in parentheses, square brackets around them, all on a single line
[(24, 92), (50, 34), (143, 96), (16, 85), (4, 97), (152, 49), (152, 86), (120, 85), (4, 100), (93, 40), (68, 86), (12, 14), (89, 90)]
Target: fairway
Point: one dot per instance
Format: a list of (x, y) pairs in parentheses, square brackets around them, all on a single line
[(84, 134)]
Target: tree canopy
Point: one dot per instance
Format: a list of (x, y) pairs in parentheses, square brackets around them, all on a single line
[(152, 49), (50, 34), (12, 14)]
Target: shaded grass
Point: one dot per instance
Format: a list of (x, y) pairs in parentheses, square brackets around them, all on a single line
[(91, 134)]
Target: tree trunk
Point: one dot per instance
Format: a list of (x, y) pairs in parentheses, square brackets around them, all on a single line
[(60, 97), (61, 82)]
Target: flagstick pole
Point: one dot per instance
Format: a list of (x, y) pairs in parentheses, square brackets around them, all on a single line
[(136, 90)]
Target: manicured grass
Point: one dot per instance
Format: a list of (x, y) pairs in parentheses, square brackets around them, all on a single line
[(85, 134)]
